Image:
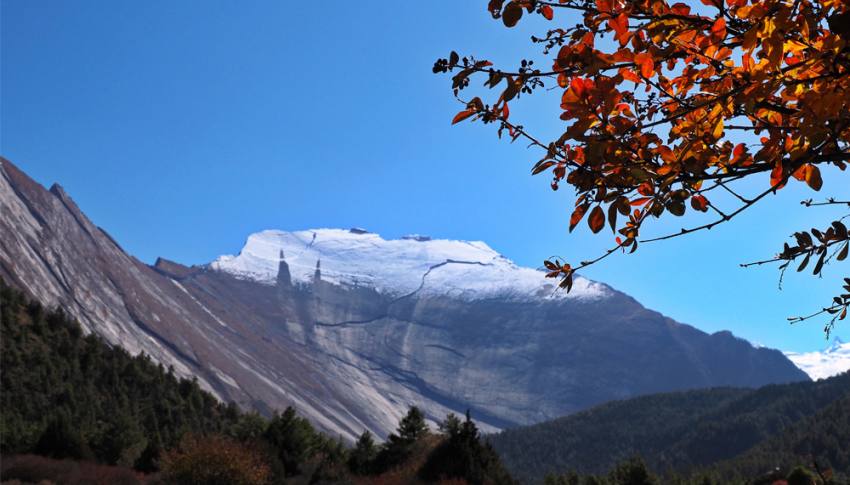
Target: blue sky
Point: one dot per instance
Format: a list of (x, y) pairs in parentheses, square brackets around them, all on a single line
[(183, 126)]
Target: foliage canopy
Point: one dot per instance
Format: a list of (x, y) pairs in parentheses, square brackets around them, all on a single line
[(672, 105)]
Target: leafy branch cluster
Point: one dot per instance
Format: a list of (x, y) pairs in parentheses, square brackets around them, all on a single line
[(671, 106)]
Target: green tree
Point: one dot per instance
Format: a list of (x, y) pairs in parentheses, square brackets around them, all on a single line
[(293, 439), (361, 460), (462, 455), (397, 448), (450, 425), (123, 441), (248, 426), (412, 426), (61, 440), (632, 472), (802, 476)]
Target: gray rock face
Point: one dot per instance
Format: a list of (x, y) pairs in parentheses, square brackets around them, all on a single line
[(351, 356)]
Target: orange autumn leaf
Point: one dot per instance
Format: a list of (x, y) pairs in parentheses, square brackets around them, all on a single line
[(577, 215), (777, 176), (620, 26), (813, 178), (718, 29), (646, 64), (463, 115), (629, 75)]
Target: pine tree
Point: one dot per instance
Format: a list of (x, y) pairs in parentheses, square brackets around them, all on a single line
[(363, 454), (412, 426), (462, 455), (632, 472), (451, 425), (399, 445), (294, 439), (61, 440)]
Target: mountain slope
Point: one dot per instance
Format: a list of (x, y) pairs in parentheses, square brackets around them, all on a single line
[(678, 431), (352, 329), (818, 439)]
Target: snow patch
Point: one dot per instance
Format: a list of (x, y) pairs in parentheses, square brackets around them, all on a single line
[(833, 360), (433, 267)]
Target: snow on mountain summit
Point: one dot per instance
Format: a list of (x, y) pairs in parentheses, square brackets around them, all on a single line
[(833, 360), (460, 269)]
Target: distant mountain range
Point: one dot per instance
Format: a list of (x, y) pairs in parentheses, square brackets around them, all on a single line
[(728, 432), (352, 329), (833, 360)]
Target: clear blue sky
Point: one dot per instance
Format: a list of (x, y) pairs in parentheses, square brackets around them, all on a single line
[(183, 126)]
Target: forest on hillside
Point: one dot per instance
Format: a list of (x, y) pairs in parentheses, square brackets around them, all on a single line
[(722, 433), (69, 401)]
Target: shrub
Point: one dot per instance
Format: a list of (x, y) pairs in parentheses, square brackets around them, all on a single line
[(214, 460), (36, 469)]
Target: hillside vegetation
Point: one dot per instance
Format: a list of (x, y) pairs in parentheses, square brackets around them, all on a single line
[(75, 410), (743, 432)]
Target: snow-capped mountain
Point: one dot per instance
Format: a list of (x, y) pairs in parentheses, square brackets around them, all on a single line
[(396, 267), (352, 329), (831, 361)]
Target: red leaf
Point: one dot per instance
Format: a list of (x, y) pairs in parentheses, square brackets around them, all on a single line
[(547, 12), (699, 203), (541, 166), (578, 86), (577, 215), (680, 9), (718, 29), (463, 115), (596, 221), (511, 14), (776, 176), (739, 150)]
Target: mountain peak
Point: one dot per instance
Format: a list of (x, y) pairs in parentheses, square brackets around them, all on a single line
[(836, 345), (414, 263), (834, 360)]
